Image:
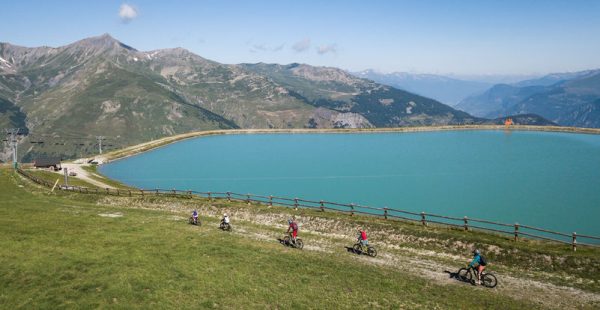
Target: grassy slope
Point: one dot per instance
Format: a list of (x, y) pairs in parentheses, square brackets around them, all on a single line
[(53, 176), (71, 256)]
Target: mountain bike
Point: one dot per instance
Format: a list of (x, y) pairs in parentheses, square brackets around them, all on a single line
[(287, 240), (194, 221), (225, 226), (360, 249), (469, 274)]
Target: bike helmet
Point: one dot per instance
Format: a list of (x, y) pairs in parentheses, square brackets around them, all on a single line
[(224, 214), (476, 251), (290, 221)]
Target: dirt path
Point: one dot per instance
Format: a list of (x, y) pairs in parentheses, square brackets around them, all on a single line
[(422, 264), (427, 264), (84, 174), (332, 237)]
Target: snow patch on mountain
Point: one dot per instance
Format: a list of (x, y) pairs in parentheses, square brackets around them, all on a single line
[(5, 62)]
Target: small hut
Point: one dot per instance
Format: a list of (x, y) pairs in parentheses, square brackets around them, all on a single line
[(48, 162)]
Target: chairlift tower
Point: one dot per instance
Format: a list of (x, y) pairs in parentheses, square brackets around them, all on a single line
[(100, 138), (12, 140)]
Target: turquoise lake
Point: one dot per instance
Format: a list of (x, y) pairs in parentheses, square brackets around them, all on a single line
[(544, 179)]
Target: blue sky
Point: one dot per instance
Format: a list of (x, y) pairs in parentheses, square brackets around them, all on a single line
[(458, 37)]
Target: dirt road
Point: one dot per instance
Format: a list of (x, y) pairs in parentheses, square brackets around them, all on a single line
[(84, 174)]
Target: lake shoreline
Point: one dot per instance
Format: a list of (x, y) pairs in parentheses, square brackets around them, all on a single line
[(155, 144), (516, 174)]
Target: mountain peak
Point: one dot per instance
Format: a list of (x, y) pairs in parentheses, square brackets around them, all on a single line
[(102, 42)]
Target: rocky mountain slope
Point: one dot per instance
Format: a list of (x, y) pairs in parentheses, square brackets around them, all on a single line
[(571, 99), (337, 90), (98, 86)]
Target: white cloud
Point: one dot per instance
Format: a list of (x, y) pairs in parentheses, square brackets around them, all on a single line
[(127, 12), (278, 48), (324, 49), (259, 47), (302, 45), (262, 47)]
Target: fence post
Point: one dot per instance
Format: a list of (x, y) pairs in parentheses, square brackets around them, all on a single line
[(516, 231), (271, 200), (352, 209), (322, 206), (142, 191), (295, 203), (157, 192), (248, 198), (574, 241), (466, 219), (190, 194), (423, 219), (107, 191), (385, 212), (228, 196), (118, 194), (209, 197)]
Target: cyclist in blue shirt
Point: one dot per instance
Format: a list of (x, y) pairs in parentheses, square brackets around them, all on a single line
[(479, 263)]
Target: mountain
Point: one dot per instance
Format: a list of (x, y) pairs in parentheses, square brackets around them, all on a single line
[(447, 90), (553, 78), (337, 90), (65, 97), (497, 100), (569, 99)]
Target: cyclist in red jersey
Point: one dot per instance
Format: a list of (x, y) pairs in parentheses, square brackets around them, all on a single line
[(294, 228), (362, 237)]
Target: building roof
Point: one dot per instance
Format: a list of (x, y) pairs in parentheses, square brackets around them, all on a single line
[(46, 161)]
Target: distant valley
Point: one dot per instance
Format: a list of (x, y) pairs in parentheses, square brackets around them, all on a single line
[(444, 89), (568, 99)]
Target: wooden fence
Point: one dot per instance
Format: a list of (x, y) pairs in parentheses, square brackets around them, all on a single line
[(465, 223)]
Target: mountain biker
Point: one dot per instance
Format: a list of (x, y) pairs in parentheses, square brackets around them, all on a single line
[(294, 227), (225, 219), (479, 263), (362, 237), (195, 215)]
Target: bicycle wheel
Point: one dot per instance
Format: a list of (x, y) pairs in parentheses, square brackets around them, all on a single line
[(357, 248), (465, 275), (299, 243), (286, 240), (489, 280), (371, 251)]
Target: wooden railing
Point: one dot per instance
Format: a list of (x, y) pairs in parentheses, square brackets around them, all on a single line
[(465, 223)]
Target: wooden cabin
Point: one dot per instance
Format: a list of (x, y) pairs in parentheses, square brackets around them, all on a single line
[(48, 162)]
